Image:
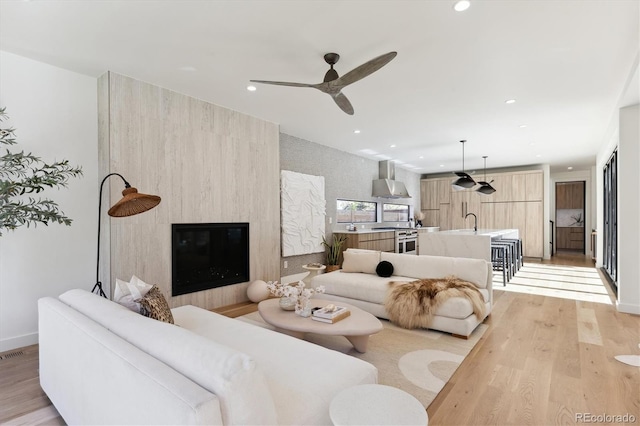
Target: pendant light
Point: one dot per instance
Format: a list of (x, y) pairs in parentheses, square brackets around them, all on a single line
[(485, 187), (464, 181)]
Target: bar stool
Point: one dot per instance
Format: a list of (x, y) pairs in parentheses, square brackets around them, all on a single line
[(519, 255), (511, 256), (499, 260)]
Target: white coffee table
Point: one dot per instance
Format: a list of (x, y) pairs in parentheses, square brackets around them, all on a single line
[(376, 405), (356, 328)]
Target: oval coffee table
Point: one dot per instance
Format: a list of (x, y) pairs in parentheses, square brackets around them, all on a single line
[(356, 328)]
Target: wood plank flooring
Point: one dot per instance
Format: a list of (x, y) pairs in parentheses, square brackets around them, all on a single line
[(542, 361)]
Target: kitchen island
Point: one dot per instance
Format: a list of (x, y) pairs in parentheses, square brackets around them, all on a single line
[(462, 242)]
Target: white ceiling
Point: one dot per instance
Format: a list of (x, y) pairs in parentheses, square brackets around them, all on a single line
[(566, 63)]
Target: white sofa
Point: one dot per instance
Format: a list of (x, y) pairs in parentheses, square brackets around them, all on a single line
[(358, 284), (101, 363)]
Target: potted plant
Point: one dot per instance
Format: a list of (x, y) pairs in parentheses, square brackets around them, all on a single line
[(333, 251)]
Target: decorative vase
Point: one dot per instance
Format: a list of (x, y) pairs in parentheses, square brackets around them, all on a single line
[(331, 268), (302, 307), (287, 303)]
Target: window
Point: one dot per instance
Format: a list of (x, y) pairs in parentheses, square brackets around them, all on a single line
[(349, 211), (395, 213)]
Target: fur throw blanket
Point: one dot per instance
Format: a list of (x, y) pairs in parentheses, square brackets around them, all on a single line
[(412, 304)]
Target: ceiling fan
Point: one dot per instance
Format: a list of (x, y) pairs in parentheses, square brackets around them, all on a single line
[(333, 84)]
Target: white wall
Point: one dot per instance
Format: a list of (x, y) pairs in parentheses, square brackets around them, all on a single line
[(629, 210), (54, 112)]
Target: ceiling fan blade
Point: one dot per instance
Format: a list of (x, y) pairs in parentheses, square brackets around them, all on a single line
[(365, 69), (284, 83), (343, 103)]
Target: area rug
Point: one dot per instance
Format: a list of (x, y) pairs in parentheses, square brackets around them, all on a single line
[(419, 362)]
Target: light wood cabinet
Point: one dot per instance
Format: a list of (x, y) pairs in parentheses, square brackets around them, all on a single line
[(534, 187), (516, 204), (462, 203), (429, 195), (435, 193), (382, 241)]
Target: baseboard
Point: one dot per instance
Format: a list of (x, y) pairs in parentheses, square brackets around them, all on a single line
[(18, 342), (627, 308)]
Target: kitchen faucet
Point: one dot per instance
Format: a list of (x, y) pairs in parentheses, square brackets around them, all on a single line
[(475, 221)]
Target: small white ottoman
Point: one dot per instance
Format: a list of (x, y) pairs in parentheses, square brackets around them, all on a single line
[(376, 405)]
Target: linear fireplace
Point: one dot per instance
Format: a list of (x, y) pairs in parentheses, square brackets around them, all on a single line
[(208, 255)]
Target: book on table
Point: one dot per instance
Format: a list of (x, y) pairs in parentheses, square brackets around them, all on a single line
[(330, 313), (333, 320)]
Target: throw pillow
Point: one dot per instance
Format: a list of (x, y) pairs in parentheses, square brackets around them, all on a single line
[(360, 261), (127, 294), (384, 269), (155, 306)]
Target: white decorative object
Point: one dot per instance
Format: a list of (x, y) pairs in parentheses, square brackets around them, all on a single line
[(303, 213), (258, 291), (298, 294)]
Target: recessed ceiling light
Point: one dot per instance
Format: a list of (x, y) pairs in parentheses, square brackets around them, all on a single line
[(356, 131), (461, 5), (251, 88), (532, 143), (522, 126), (187, 68), (441, 165), (421, 157), (538, 155), (569, 168), (510, 101), (392, 146)]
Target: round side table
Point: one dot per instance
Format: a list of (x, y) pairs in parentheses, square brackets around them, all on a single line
[(376, 405), (313, 271)]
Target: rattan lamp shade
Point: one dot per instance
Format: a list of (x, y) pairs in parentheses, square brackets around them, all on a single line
[(132, 203)]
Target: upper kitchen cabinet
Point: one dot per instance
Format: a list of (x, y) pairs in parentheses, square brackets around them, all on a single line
[(516, 186), (429, 195), (534, 186)]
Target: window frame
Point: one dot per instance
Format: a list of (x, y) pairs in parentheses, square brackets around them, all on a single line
[(353, 219), (408, 209)]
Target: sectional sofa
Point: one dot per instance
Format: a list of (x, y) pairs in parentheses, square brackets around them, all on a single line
[(358, 283), (101, 363)]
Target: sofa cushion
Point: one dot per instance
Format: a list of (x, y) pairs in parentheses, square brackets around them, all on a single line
[(359, 286), (472, 270), (360, 261), (303, 377), (231, 375)]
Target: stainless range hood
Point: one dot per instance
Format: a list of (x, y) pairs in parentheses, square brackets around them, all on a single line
[(387, 186)]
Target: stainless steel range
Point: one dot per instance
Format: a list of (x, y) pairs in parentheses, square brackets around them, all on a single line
[(407, 241)]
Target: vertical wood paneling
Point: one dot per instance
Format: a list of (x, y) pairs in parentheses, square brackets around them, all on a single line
[(208, 163), (103, 170)]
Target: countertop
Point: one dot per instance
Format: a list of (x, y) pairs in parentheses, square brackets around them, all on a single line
[(389, 229), (490, 232)]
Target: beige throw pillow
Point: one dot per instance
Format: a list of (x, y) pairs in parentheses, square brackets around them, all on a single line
[(155, 306), (360, 261)]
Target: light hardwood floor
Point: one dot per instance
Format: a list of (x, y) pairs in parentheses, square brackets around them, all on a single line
[(542, 361)]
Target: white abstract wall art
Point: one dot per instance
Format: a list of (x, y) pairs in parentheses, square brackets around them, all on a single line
[(303, 209)]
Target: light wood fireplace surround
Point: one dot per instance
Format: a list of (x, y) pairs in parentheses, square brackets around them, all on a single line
[(208, 163)]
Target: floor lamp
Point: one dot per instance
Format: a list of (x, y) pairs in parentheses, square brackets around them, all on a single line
[(131, 204)]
